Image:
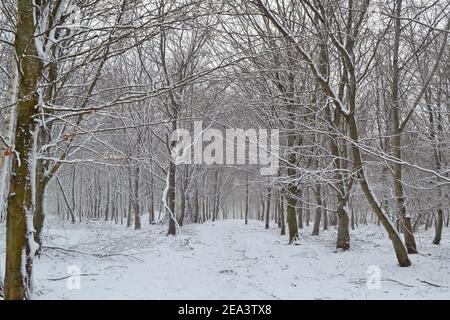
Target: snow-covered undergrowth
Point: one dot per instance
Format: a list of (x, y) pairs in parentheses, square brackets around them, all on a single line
[(230, 260)]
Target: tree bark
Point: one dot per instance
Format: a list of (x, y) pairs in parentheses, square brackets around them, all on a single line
[(171, 200), (267, 213), (318, 215), (281, 220), (20, 246), (136, 206), (343, 236)]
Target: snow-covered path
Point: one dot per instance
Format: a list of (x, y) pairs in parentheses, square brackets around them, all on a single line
[(230, 260)]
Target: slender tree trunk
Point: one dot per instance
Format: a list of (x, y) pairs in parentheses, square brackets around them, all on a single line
[(130, 198), (66, 200), (281, 215), (448, 218), (196, 205), (108, 200), (318, 215), (292, 214), (325, 216), (300, 214), (267, 213), (352, 219), (300, 217), (308, 209), (436, 130), (171, 200), (396, 139), (136, 206), (151, 214), (438, 226), (246, 202)]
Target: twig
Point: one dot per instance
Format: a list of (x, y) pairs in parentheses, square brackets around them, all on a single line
[(432, 284), (392, 280), (66, 277)]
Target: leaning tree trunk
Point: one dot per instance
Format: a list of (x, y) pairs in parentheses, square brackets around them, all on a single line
[(399, 248)]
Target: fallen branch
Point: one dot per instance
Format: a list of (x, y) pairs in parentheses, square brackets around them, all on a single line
[(403, 284), (363, 280), (432, 284), (77, 275), (96, 255)]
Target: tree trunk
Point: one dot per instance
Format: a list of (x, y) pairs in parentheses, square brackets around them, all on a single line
[(281, 219), (292, 214), (267, 213), (136, 206), (20, 246), (448, 218), (196, 205), (318, 215), (246, 203), (308, 209), (171, 200), (399, 247), (130, 198), (151, 214), (438, 226), (343, 236), (300, 216), (325, 216), (108, 200), (410, 242), (352, 219)]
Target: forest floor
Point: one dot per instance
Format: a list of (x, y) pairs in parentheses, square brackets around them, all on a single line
[(230, 260)]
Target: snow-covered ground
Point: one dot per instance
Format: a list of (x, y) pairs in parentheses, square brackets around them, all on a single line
[(230, 260)]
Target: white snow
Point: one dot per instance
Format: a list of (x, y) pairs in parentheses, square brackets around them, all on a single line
[(231, 260)]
